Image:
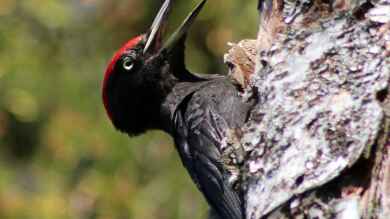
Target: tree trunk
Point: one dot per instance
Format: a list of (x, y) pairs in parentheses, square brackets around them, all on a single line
[(316, 144)]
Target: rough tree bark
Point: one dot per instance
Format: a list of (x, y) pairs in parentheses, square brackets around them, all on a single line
[(316, 144)]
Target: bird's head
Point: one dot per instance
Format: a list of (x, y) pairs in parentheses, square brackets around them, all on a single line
[(142, 72)]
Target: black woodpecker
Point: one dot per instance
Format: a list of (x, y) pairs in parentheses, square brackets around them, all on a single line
[(147, 86)]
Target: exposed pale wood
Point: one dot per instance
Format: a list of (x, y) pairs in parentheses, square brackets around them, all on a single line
[(317, 145)]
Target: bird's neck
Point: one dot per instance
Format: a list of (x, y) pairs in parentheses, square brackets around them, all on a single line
[(176, 100)]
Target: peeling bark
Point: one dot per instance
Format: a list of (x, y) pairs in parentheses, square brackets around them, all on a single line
[(316, 144)]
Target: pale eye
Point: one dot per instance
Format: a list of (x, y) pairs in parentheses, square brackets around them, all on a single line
[(128, 64)]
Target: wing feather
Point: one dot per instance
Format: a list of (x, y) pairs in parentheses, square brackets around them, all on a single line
[(199, 132)]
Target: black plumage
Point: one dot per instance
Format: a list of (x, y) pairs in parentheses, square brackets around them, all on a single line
[(204, 114), (154, 90)]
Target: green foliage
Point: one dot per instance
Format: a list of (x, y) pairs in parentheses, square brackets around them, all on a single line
[(59, 155)]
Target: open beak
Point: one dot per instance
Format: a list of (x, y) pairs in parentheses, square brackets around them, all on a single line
[(184, 27), (154, 37)]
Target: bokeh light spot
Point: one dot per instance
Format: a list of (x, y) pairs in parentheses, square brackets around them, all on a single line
[(22, 104)]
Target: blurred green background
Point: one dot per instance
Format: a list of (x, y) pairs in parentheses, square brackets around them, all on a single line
[(59, 155)]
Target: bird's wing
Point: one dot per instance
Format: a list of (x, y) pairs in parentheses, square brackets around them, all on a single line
[(199, 133)]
